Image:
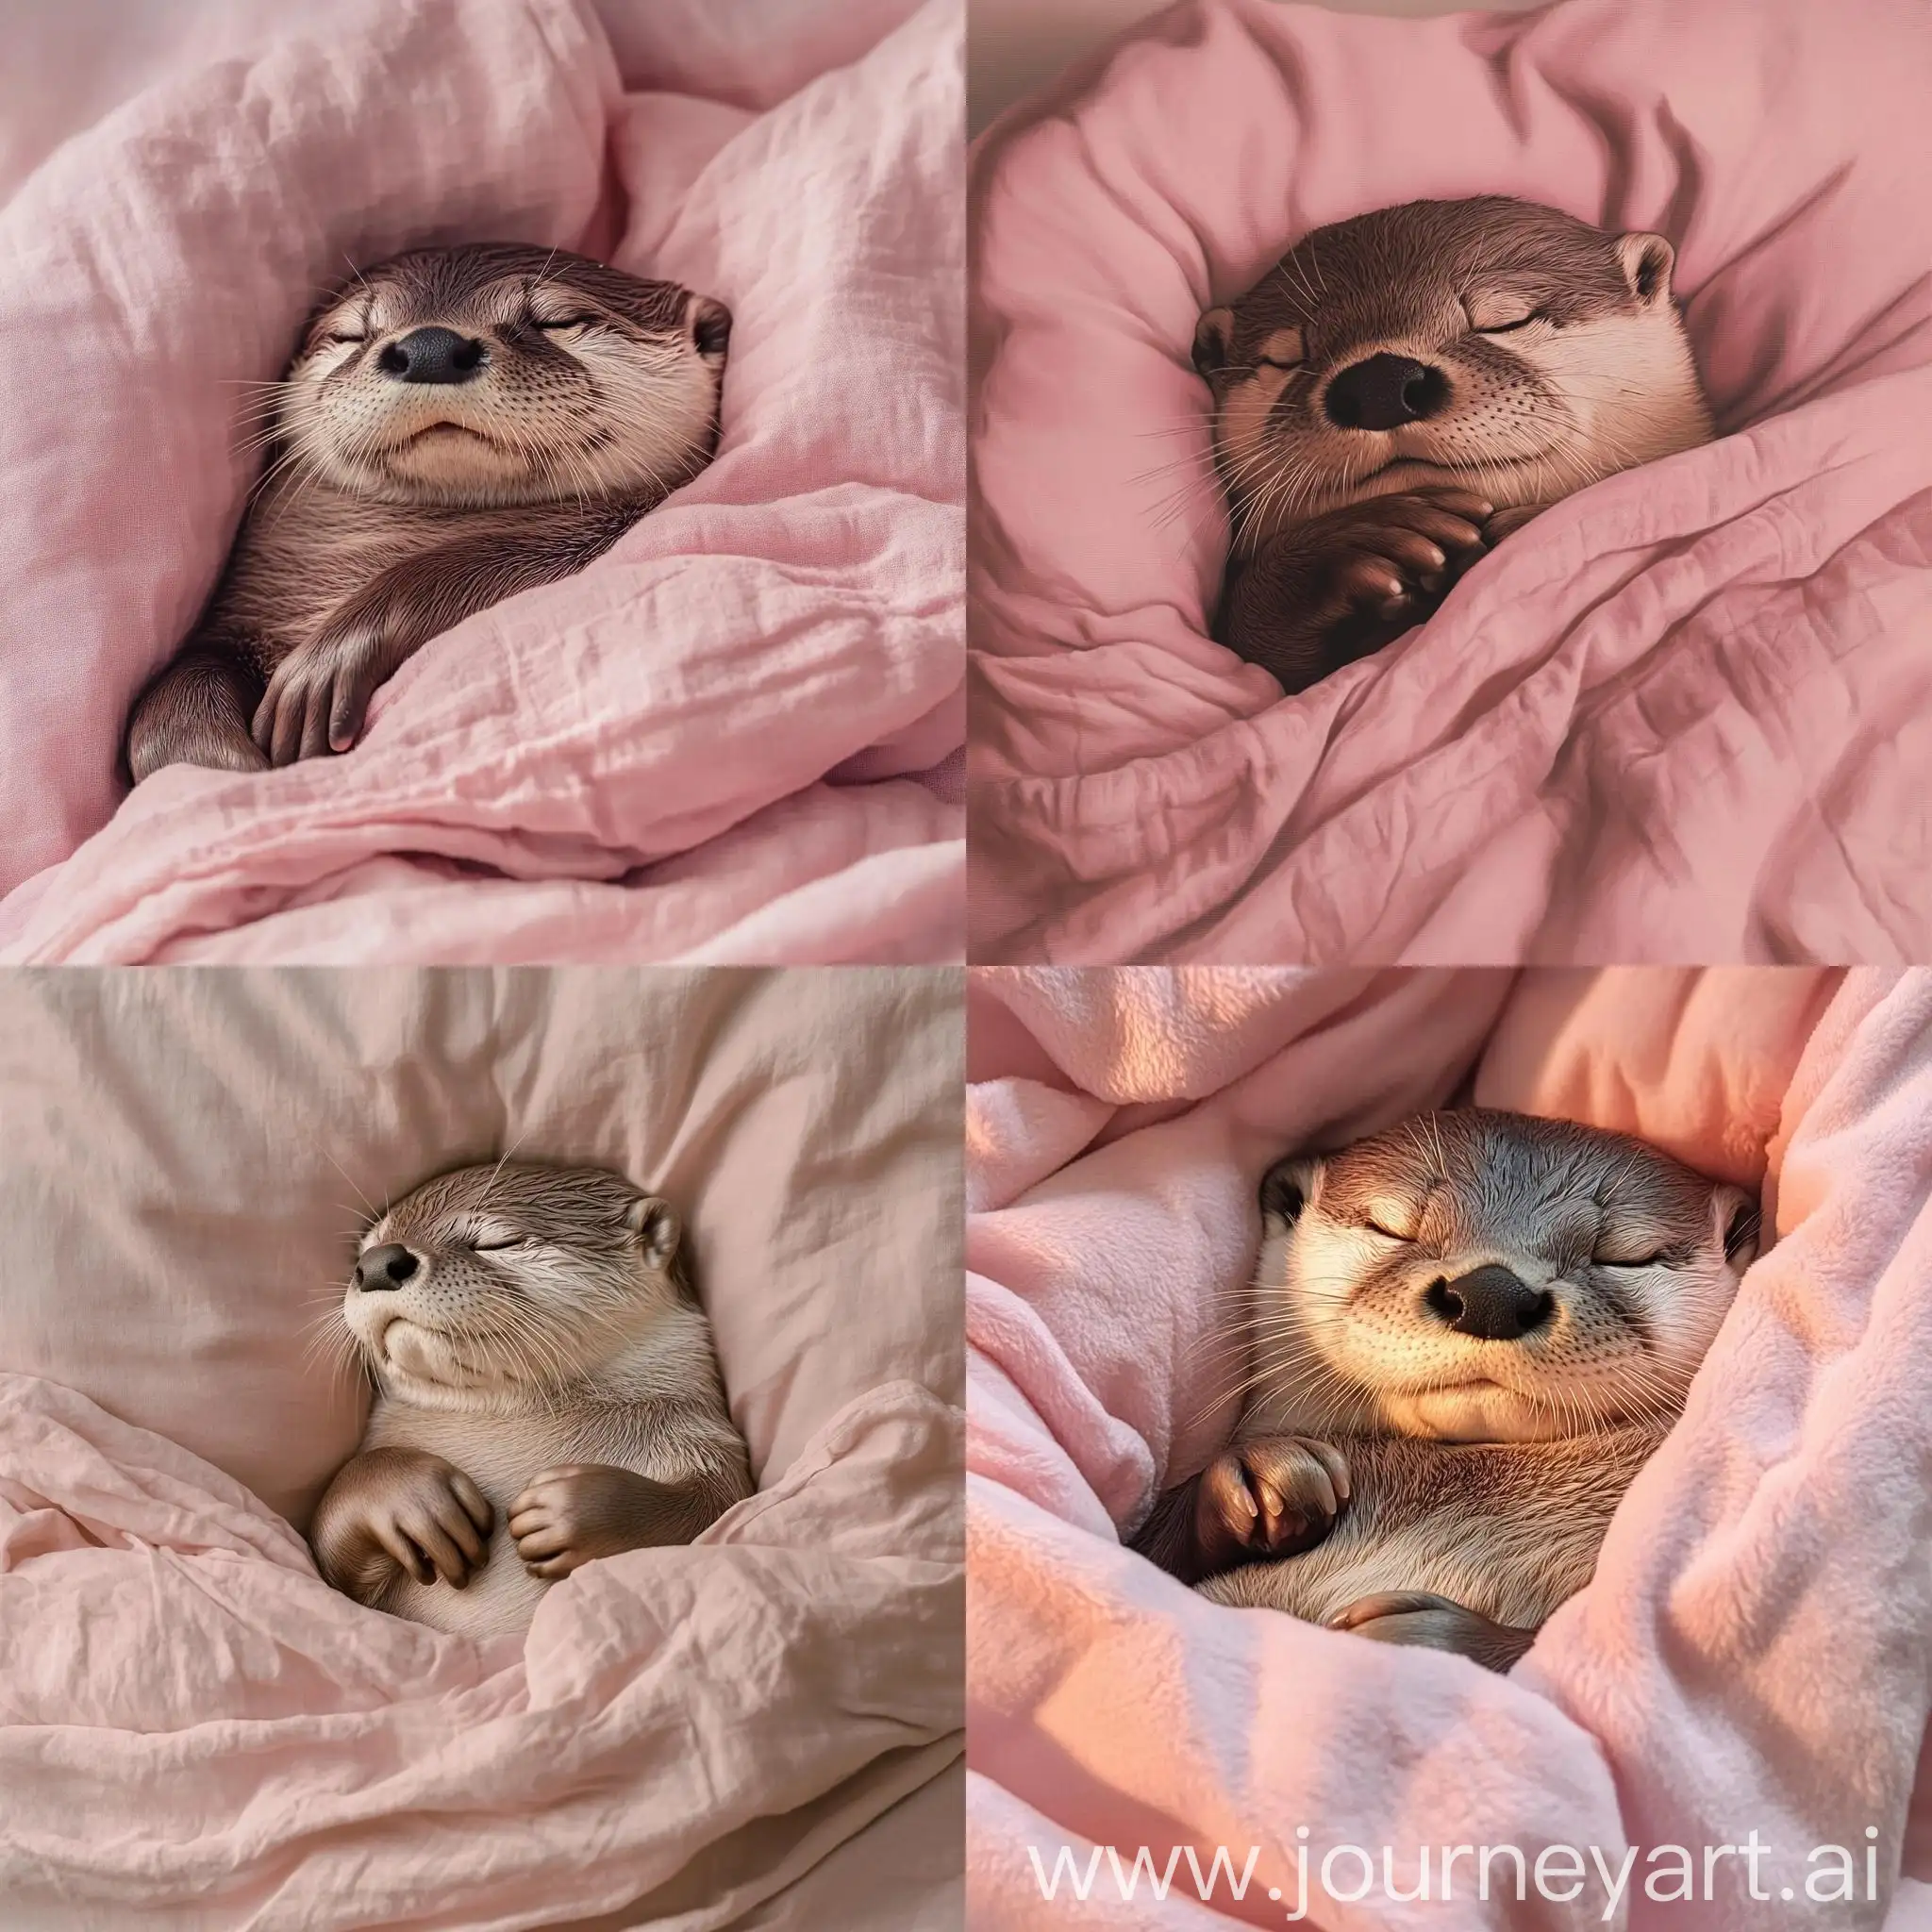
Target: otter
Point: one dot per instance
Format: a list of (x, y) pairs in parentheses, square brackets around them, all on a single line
[(1469, 1333), (1404, 388), (546, 1393), (458, 424)]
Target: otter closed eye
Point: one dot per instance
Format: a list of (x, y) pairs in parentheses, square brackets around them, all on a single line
[(1475, 1400), (1407, 388), (458, 424)]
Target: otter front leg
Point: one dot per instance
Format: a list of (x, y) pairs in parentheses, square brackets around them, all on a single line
[(1273, 1496), (317, 697), (1345, 583), (581, 1511), (197, 712), (392, 1513), (1435, 1623)]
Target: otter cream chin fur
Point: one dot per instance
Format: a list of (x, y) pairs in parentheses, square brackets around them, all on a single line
[(546, 1393), (1467, 1334), (1404, 389), (458, 424)]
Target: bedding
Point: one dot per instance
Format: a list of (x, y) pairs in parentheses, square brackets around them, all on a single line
[(1672, 720), (196, 1731), (1756, 1648), (738, 732)]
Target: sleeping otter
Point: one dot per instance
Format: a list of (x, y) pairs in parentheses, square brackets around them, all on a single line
[(1404, 389), (458, 424), (1469, 1331), (546, 1393)]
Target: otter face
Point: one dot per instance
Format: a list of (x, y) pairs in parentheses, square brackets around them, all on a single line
[(507, 1280), (503, 374), (1491, 344), (1482, 1277)]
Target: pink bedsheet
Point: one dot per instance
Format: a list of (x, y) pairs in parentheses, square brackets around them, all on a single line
[(1678, 718), (1756, 1649), (720, 739)]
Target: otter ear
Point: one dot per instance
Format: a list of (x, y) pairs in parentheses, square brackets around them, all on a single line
[(1288, 1187), (1735, 1219), (1213, 340), (708, 326), (657, 1228), (1646, 261)]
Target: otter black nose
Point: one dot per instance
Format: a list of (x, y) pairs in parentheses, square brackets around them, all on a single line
[(1384, 392), (384, 1268), (1491, 1305), (431, 355)]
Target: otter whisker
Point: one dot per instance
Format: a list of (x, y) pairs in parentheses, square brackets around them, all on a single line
[(361, 1196)]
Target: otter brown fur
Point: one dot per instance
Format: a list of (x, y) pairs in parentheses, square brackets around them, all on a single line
[(458, 424), (1404, 389), (1469, 1331), (547, 1394)]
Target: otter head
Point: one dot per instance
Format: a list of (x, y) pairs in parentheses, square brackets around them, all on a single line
[(503, 1284), (1492, 344), (1483, 1276), (503, 374)]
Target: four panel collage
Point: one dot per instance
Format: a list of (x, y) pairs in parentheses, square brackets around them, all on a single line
[(965, 964)]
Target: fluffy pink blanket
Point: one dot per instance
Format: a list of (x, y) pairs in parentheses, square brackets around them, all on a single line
[(1754, 1652), (1676, 719), (718, 741)]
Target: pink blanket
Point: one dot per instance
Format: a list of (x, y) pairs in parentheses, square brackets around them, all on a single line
[(1676, 719), (736, 734), (1756, 1649), (196, 1732)]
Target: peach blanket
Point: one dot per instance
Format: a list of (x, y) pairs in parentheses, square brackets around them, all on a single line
[(1756, 1649), (718, 741), (1675, 719)]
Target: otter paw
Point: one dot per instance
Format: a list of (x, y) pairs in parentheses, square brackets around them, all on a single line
[(318, 694), (1344, 584), (1270, 1498), (1392, 558), (568, 1515), (412, 1509), (1434, 1623)]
